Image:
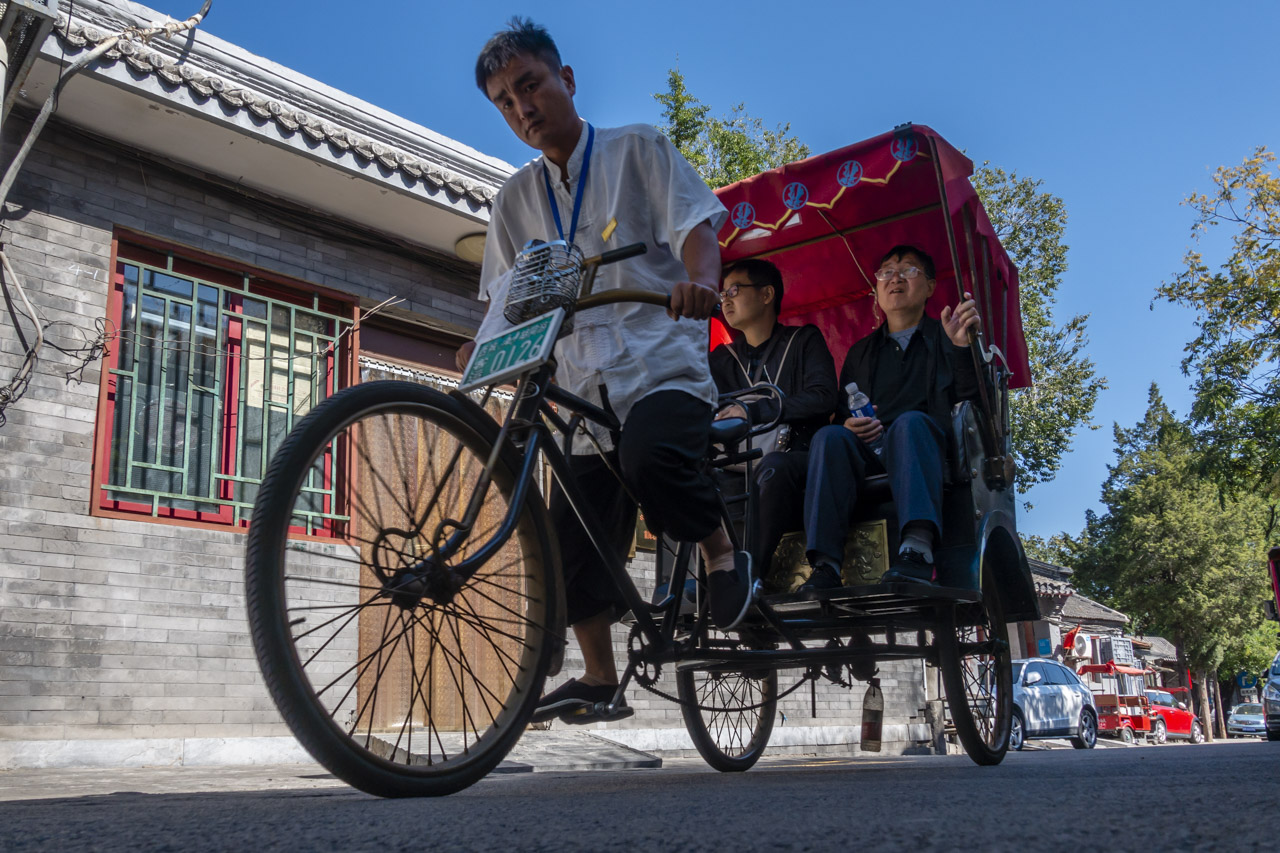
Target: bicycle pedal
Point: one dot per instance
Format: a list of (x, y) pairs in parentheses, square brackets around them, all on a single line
[(597, 713)]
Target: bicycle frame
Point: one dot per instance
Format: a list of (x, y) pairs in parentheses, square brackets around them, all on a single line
[(528, 425)]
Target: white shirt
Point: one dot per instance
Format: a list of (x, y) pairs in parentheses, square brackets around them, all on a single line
[(638, 178)]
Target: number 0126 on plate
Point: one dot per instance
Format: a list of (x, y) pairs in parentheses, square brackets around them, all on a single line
[(512, 352)]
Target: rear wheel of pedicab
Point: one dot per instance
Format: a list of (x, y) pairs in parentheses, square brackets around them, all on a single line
[(396, 674), (973, 653), (732, 737)]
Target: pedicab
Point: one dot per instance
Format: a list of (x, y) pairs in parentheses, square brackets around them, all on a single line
[(408, 658), (1125, 711)]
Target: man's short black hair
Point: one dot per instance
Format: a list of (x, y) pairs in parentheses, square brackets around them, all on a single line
[(521, 36), (930, 271), (761, 273)]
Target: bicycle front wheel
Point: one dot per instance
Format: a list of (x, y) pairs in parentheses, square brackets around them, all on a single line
[(392, 678)]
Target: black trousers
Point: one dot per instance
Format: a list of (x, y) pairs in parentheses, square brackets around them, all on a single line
[(780, 481), (659, 455)]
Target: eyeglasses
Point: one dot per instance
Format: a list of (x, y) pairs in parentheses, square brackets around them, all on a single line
[(732, 290), (908, 273)]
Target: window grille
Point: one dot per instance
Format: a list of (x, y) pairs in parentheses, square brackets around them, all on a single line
[(208, 373)]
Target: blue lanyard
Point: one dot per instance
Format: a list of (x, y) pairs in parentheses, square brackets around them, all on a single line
[(582, 182)]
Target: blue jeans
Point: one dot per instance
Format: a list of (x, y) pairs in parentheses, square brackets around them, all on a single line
[(913, 455)]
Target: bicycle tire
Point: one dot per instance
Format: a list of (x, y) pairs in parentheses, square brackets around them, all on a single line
[(730, 741), (512, 607), (981, 706)]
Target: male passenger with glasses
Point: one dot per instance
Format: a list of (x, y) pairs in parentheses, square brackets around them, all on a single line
[(601, 189), (797, 361), (914, 369)]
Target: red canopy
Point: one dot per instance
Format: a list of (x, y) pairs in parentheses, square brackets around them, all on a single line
[(1111, 668), (826, 222)]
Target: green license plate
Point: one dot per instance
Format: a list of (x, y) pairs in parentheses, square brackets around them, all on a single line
[(513, 352)]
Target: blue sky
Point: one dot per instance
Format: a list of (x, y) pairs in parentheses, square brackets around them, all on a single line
[(1122, 109)]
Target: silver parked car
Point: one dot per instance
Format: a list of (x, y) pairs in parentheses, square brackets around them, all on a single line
[(1246, 721), (1050, 700)]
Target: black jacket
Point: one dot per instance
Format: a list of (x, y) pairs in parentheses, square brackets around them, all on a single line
[(952, 377), (807, 380)]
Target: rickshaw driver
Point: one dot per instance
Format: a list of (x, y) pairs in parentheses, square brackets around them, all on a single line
[(629, 183), (913, 368)]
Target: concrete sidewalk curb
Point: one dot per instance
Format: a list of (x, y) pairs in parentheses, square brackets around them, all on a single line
[(536, 751), (151, 752)]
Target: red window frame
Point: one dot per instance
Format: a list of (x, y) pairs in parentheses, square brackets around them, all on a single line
[(134, 247)]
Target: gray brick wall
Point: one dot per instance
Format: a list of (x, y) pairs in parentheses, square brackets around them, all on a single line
[(119, 628)]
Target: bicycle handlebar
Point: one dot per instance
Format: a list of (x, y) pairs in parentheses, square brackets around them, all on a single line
[(612, 297), (615, 255)]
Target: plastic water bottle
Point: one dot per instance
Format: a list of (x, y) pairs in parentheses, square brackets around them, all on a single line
[(860, 407), (872, 717)]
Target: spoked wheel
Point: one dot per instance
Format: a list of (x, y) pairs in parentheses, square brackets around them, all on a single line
[(395, 673), (973, 652), (732, 737)]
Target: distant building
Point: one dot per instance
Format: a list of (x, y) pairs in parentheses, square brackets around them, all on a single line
[(1161, 656), (1062, 609)]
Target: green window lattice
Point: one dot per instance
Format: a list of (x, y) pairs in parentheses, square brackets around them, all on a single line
[(208, 378)]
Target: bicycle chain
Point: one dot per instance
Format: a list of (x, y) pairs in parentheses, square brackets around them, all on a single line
[(656, 692), (649, 682)]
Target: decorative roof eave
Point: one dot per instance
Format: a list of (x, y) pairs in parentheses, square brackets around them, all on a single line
[(147, 60), (1052, 588)]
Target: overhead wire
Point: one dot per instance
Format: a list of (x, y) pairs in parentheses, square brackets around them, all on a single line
[(14, 389)]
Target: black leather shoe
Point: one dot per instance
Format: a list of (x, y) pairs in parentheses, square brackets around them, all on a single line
[(911, 567), (822, 578), (570, 697)]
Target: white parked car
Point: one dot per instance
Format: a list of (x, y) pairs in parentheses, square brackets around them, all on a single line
[(1050, 700)]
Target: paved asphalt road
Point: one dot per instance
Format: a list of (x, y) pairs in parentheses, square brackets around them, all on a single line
[(1222, 796)]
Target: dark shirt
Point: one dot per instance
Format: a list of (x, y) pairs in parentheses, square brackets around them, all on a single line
[(753, 356), (901, 381), (930, 376), (807, 378)]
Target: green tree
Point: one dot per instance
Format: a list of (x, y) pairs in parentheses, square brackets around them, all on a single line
[(686, 120), (1251, 652), (1057, 550), (1171, 551), (1046, 416), (1235, 357), (728, 149)]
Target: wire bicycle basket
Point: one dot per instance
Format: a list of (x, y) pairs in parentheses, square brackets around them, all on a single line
[(545, 276)]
